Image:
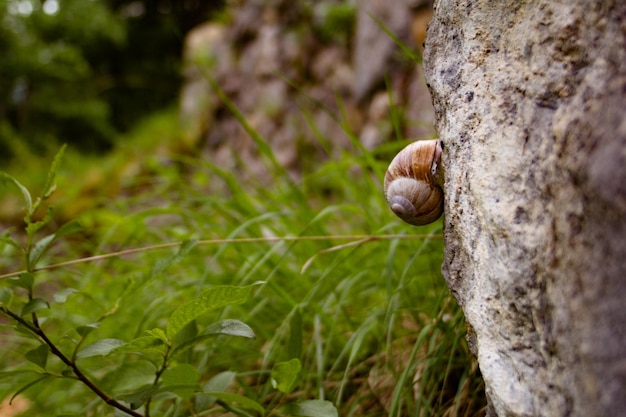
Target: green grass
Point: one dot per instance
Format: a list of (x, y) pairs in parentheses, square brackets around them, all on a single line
[(367, 314)]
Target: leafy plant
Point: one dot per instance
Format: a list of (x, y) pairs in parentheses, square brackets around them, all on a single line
[(262, 300), (164, 347)]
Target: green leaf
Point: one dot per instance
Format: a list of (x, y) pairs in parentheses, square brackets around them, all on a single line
[(219, 383), (158, 333), (285, 375), (226, 327), (25, 280), (83, 331), (25, 387), (38, 250), (38, 356), (42, 245), (34, 305), (6, 295), (186, 334), (142, 344), (181, 374), (50, 186), (62, 295), (310, 408), (137, 398), (131, 375), (70, 227), (242, 401), (208, 300), (100, 348), (230, 327), (6, 178)]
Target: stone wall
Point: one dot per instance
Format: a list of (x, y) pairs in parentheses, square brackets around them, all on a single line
[(298, 71)]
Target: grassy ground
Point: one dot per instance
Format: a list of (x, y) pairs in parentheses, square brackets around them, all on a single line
[(368, 316)]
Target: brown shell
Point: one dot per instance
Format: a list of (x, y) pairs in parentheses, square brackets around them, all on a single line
[(412, 184)]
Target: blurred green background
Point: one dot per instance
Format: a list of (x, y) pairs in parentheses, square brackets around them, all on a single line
[(82, 72)]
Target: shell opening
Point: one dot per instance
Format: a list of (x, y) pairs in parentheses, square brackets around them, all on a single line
[(402, 207)]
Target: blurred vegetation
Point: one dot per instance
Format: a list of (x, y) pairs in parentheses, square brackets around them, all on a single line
[(81, 72)]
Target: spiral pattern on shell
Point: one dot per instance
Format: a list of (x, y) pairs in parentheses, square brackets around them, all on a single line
[(412, 186)]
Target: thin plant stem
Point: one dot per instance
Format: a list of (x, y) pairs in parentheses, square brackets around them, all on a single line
[(157, 377), (34, 328), (359, 239)]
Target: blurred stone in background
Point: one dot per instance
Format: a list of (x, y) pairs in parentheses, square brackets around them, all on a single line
[(300, 74)]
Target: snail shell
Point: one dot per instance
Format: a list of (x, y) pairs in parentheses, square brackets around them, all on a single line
[(412, 186)]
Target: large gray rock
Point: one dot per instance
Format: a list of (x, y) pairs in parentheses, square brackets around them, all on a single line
[(373, 48), (530, 100)]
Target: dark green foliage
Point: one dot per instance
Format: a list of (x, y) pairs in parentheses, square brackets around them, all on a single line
[(168, 353), (51, 90), (84, 71)]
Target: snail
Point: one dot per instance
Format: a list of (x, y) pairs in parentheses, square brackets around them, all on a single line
[(412, 183)]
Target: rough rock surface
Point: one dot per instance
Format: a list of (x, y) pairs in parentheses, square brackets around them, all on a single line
[(530, 101)]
